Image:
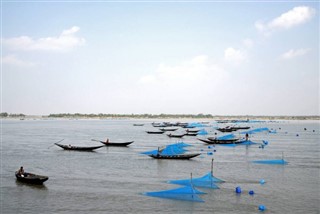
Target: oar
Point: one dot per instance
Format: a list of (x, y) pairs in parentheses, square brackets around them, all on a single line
[(55, 143), (97, 140)]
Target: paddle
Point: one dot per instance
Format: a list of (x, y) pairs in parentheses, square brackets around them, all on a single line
[(96, 140), (55, 143)]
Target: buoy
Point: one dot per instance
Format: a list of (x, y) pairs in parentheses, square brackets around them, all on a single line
[(210, 153), (209, 147), (238, 190), (262, 207), (262, 181), (297, 135), (251, 192)]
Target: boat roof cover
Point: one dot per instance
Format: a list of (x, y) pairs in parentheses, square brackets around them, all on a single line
[(187, 193), (206, 181)]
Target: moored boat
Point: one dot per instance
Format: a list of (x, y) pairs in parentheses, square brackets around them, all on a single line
[(175, 156), (219, 141), (78, 148), (155, 132), (114, 143), (175, 135)]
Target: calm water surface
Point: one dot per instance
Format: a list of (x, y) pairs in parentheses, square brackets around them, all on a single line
[(112, 180)]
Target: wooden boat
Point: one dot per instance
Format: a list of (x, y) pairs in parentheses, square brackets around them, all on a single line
[(233, 128), (78, 148), (155, 132), (138, 124), (181, 156), (175, 135), (169, 129), (191, 134), (31, 178), (114, 143), (227, 129), (192, 130), (217, 141)]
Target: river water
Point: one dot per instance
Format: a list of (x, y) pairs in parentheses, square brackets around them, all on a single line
[(113, 180)]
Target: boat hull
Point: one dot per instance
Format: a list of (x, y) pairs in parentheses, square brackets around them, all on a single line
[(78, 148), (181, 157), (31, 178)]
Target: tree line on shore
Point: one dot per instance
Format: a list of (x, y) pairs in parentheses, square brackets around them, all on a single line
[(137, 116)]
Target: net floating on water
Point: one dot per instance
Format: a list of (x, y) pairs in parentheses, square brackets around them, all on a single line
[(206, 181), (187, 193), (276, 162)]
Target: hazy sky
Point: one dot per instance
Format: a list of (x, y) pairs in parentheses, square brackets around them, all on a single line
[(234, 58)]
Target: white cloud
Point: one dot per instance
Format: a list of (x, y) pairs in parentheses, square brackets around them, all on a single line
[(195, 71), (64, 42), (234, 55), (248, 43), (296, 16), (13, 60), (294, 53)]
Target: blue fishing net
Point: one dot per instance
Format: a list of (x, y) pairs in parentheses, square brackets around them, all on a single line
[(206, 181), (277, 161), (252, 131), (202, 132), (246, 142), (187, 193), (172, 149), (226, 137)]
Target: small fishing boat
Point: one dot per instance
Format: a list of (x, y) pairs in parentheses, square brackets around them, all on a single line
[(31, 178), (221, 141), (114, 143), (138, 124), (191, 134), (169, 129), (175, 156), (155, 132), (78, 148), (192, 130), (175, 135)]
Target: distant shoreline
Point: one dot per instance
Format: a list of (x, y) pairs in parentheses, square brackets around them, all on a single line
[(242, 118)]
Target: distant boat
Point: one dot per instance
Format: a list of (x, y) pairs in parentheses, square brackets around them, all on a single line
[(78, 148), (155, 132), (138, 124), (192, 130), (220, 141), (31, 178), (175, 135), (113, 143), (191, 134), (169, 129), (175, 156)]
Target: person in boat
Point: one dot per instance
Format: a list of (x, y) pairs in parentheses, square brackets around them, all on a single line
[(107, 141), (69, 146), (21, 171), (247, 136), (158, 153)]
